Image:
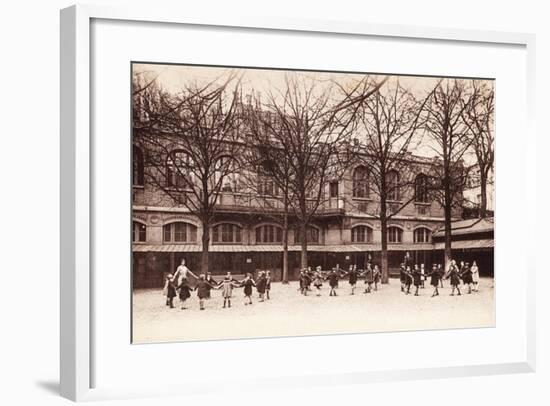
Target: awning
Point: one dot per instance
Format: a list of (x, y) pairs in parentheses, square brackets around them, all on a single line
[(468, 244), (344, 248)]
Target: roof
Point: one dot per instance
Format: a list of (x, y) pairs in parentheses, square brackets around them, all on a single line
[(470, 226), (468, 244)]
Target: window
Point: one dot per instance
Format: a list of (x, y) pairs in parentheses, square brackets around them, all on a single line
[(333, 186), (226, 176), (392, 185), (227, 233), (269, 234), (266, 184), (312, 234), (139, 232), (137, 166), (395, 235), (421, 188), (361, 234), (360, 182), (180, 232), (422, 234), (179, 170)]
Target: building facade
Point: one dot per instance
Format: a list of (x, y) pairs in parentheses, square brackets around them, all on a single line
[(245, 237)]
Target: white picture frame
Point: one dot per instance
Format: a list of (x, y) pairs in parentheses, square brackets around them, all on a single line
[(77, 356)]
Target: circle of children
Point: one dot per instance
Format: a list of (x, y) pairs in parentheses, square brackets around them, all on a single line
[(177, 284)]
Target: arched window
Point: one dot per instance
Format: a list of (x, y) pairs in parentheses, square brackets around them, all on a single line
[(227, 233), (361, 234), (395, 235), (392, 185), (266, 185), (139, 232), (312, 234), (137, 166), (180, 232), (179, 169), (360, 182), (421, 188), (422, 234), (226, 174), (269, 234)]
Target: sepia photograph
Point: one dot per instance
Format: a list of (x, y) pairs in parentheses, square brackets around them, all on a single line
[(276, 203)]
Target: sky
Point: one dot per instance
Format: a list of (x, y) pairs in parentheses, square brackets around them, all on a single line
[(173, 78)]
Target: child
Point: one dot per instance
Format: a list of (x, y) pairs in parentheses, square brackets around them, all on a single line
[(435, 276), (353, 277), (408, 279), (184, 292), (369, 278), (203, 288), (475, 275), (268, 284), (466, 276), (305, 282), (423, 273), (170, 290), (377, 277), (403, 277), (212, 282), (248, 283), (417, 279), (318, 281), (333, 282), (441, 274), (227, 285), (454, 275), (261, 284)]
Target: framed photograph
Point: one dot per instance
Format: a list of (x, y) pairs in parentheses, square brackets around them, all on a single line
[(317, 195)]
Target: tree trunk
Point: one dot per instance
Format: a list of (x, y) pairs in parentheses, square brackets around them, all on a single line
[(205, 247), (384, 239), (285, 248), (303, 231), (448, 213), (483, 206)]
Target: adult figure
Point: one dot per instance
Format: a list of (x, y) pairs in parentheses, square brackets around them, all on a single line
[(182, 273)]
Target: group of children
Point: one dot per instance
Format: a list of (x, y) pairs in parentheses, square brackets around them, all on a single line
[(178, 285), (416, 275), (308, 276)]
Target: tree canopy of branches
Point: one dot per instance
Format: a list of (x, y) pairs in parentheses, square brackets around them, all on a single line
[(478, 117), (191, 140), (301, 129), (450, 142), (386, 125)]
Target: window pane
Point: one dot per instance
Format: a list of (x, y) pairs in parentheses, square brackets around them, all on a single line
[(167, 234), (238, 237), (142, 232)]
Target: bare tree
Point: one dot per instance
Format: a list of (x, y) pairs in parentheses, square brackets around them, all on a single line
[(304, 127), (191, 140), (478, 117), (446, 128), (386, 133)]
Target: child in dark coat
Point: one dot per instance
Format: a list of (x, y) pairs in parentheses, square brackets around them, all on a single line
[(203, 290), (261, 284), (184, 292), (369, 278), (305, 282), (267, 284), (435, 276), (454, 276), (403, 277), (353, 276), (408, 279), (169, 290), (377, 277), (417, 279), (332, 278), (466, 276), (318, 281), (248, 283)]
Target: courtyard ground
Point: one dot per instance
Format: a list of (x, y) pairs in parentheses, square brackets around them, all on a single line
[(289, 313)]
